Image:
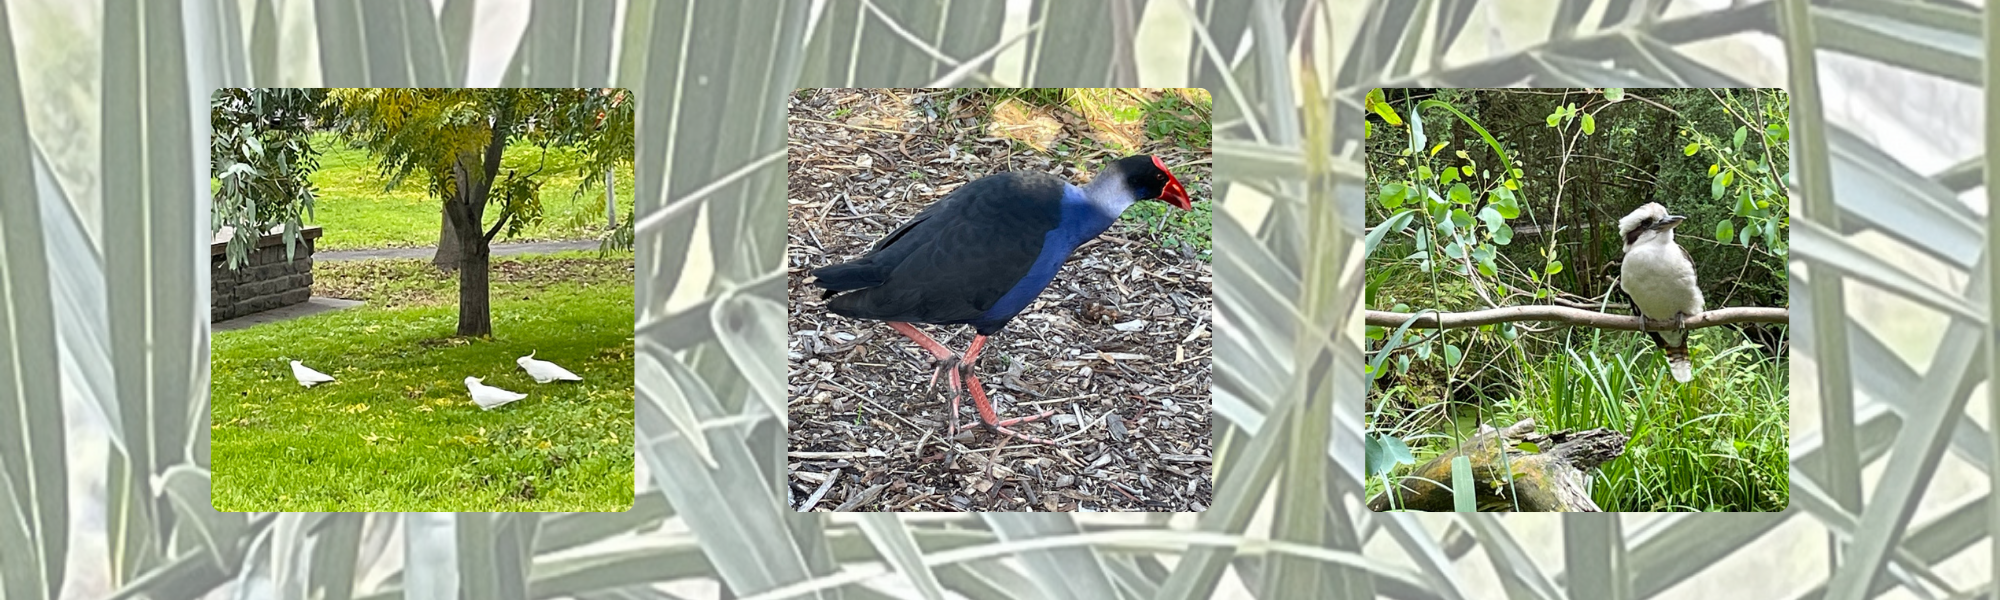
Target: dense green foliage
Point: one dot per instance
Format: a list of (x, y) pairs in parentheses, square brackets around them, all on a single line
[(351, 196), (455, 140), (1485, 198), (262, 160)]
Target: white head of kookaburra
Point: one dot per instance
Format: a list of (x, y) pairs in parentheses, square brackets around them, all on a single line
[(1659, 276)]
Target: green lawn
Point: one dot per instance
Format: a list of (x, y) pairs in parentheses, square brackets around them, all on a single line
[(355, 211), (398, 431)]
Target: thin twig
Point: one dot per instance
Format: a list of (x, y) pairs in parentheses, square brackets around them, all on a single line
[(656, 218), (861, 127)]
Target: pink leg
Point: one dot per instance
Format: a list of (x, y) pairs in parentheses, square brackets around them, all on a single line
[(956, 363), (948, 361)]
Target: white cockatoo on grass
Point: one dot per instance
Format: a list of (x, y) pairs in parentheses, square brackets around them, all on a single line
[(544, 371), (308, 377), (487, 396)]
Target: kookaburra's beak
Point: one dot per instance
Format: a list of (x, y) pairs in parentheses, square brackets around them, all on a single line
[(1669, 222)]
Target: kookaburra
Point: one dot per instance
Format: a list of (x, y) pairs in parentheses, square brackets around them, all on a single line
[(1659, 276)]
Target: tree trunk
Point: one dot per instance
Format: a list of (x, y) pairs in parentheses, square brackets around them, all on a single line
[(447, 255), (475, 314)]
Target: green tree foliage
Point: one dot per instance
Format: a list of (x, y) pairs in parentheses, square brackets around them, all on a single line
[(453, 139), (1582, 159), (261, 160)]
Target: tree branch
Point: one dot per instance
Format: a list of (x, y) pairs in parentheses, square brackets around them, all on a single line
[(502, 222), (456, 205), (1576, 316)]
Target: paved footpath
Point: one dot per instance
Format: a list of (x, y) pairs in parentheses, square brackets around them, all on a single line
[(429, 251), (319, 304)]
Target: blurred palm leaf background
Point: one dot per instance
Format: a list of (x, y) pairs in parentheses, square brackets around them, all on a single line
[(103, 376)]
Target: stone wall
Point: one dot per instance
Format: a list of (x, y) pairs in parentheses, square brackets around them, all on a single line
[(265, 282)]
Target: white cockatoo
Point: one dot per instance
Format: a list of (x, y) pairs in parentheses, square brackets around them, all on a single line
[(487, 396), (544, 371), (307, 377)]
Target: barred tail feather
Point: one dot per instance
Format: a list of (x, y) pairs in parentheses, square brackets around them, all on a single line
[(1678, 362)]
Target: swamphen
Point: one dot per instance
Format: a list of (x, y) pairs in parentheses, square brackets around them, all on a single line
[(981, 255)]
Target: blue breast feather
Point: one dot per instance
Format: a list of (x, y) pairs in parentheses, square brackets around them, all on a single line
[(1081, 221)]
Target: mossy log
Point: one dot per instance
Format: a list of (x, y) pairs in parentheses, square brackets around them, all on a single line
[(1550, 473)]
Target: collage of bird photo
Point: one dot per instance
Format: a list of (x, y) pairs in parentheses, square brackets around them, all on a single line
[(446, 322), (1577, 300), (1000, 300)]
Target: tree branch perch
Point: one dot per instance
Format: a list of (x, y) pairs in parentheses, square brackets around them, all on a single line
[(1576, 316)]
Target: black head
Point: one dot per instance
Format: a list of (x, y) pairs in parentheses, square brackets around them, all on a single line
[(1148, 178)]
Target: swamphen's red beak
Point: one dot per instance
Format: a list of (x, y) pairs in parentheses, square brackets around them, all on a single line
[(1173, 194)]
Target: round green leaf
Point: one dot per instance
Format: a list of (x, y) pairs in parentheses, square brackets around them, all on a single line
[(1393, 195), (1461, 218)]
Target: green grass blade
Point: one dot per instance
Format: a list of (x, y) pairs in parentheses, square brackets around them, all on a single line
[(1595, 544), (281, 558), (1915, 37), (257, 581), (742, 530), (1463, 497), (1522, 579), (1675, 547), (662, 382), (335, 549), (885, 54), (1241, 482), (1426, 552), (492, 554), (970, 28), (746, 324), (429, 66), (454, 23), (225, 18), (1842, 471), (568, 44), (563, 531), (146, 109), (218, 533), (430, 556), (32, 449), (1075, 49), (633, 44), (1992, 31), (1226, 23), (1078, 573), (899, 549), (24, 572), (264, 44), (384, 31), (338, 28)]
